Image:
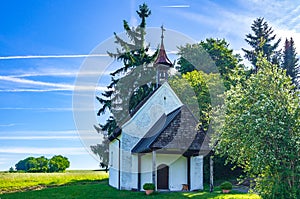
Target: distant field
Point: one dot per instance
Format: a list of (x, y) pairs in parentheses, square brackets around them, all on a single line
[(23, 181), (87, 184)]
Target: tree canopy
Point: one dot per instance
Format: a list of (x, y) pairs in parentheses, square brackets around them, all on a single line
[(195, 56), (57, 163), (262, 126)]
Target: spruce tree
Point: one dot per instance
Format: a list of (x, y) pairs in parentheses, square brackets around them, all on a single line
[(262, 41), (290, 60), (135, 57)]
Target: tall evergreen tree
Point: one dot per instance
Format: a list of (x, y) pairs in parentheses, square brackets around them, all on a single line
[(290, 60), (262, 41), (134, 56)]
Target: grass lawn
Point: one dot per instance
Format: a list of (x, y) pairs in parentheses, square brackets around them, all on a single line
[(93, 187), (23, 181)]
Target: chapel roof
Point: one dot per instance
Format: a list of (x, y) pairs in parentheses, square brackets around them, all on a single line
[(175, 131)]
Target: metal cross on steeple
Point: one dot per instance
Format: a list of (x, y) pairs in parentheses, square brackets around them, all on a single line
[(162, 32)]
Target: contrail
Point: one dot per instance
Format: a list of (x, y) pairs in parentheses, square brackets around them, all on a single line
[(52, 56), (177, 6)]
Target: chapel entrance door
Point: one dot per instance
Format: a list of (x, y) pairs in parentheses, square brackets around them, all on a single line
[(163, 177)]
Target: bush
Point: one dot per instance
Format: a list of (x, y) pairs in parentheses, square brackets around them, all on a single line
[(149, 186), (226, 185)]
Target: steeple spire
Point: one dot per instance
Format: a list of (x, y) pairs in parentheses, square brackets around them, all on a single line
[(162, 62), (162, 57)]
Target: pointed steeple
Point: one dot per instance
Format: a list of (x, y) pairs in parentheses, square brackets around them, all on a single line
[(162, 58)]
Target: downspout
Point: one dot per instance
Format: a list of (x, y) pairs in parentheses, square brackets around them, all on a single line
[(119, 165)]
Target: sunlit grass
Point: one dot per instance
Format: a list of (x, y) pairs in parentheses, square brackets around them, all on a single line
[(221, 196), (20, 181), (88, 184)]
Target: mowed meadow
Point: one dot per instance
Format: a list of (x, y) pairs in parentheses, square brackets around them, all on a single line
[(12, 182), (87, 184)]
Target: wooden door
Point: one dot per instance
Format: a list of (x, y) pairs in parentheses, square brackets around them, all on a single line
[(163, 177)]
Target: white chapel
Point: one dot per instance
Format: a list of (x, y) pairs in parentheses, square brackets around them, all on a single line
[(160, 143)]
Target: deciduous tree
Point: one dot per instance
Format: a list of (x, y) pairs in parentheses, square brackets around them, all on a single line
[(261, 131), (58, 163), (195, 56)]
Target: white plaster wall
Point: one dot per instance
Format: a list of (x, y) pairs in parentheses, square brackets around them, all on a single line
[(134, 174), (114, 164), (196, 173), (164, 100), (177, 169), (126, 169), (178, 174)]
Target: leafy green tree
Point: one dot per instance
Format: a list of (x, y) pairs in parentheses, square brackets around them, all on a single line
[(58, 163), (42, 164), (261, 131), (102, 151), (28, 165), (290, 60), (192, 90), (262, 41), (32, 165), (133, 54), (194, 56)]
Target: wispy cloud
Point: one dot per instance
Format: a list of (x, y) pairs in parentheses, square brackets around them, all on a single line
[(37, 83), (37, 137), (57, 137), (52, 56), (59, 73), (41, 133), (10, 125), (176, 6), (45, 86), (36, 109), (44, 151)]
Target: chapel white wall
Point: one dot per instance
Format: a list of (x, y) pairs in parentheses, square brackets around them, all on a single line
[(196, 173), (164, 100), (113, 163), (177, 169)]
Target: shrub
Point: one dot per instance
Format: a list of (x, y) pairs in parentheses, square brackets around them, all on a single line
[(149, 186), (226, 185)]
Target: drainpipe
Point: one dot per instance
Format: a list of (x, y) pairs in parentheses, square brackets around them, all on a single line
[(119, 165)]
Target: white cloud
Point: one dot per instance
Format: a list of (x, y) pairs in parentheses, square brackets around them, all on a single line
[(38, 137), (41, 86), (52, 56), (37, 83), (10, 125), (44, 151), (176, 6), (56, 137), (36, 109)]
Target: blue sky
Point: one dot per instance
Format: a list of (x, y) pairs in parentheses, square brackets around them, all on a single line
[(43, 44)]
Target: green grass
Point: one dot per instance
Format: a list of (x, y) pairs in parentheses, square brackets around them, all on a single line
[(89, 185), (22, 181)]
